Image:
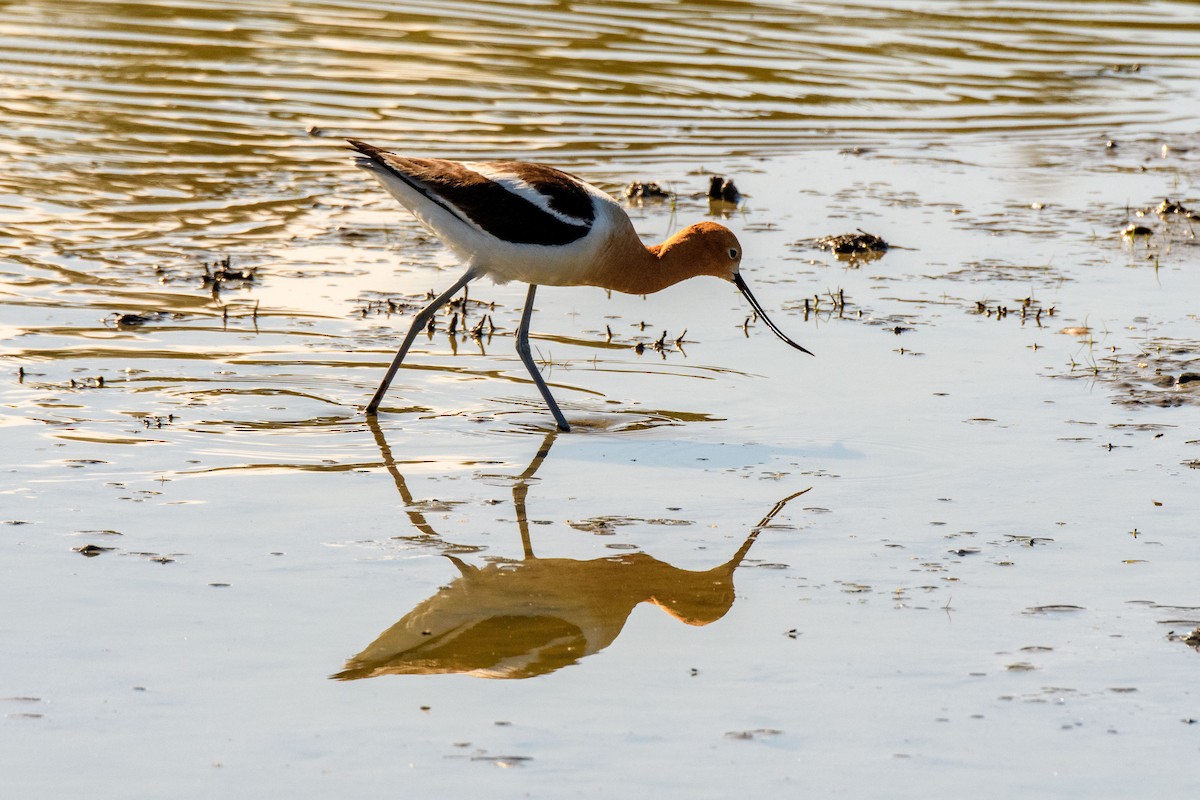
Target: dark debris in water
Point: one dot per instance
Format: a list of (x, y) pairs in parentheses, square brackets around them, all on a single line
[(854, 248), (506, 762), (157, 558), (1059, 608), (649, 190), (212, 276), (121, 320), (607, 525), (1028, 541), (1192, 639), (461, 313), (853, 243), (661, 345), (96, 382), (827, 306), (720, 190), (1169, 221), (1027, 309), (723, 189), (221, 274), (1168, 206), (757, 733), (92, 550)]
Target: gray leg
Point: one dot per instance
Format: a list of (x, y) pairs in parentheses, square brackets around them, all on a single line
[(527, 359), (418, 325)]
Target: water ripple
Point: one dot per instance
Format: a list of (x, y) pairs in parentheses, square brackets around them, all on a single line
[(128, 122)]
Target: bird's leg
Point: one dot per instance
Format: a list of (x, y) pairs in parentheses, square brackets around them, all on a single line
[(527, 359), (419, 323)]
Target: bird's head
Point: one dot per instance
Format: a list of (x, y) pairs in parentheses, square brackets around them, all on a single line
[(707, 249), (712, 249)]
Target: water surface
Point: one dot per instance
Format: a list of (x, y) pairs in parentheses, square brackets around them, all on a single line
[(220, 577)]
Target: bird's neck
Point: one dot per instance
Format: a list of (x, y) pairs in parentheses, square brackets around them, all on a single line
[(645, 270)]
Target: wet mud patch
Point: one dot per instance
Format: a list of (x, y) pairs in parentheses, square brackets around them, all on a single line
[(475, 315), (1163, 373), (1182, 623), (998, 271), (607, 525), (1154, 232), (616, 421)]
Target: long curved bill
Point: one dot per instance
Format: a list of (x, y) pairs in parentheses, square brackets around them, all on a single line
[(741, 285)]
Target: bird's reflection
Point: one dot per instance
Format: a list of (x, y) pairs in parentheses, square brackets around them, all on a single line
[(518, 619)]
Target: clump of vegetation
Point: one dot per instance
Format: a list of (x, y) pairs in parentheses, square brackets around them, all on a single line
[(638, 190), (853, 243)]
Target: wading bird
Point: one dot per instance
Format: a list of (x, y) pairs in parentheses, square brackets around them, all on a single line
[(514, 221)]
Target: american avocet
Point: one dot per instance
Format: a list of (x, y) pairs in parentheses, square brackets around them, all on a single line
[(532, 223)]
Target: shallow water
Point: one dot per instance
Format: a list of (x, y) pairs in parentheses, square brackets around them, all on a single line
[(987, 585)]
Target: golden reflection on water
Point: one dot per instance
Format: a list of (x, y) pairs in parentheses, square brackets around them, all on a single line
[(519, 619), (201, 123)]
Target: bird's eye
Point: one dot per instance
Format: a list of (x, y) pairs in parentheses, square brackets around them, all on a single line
[(733, 253)]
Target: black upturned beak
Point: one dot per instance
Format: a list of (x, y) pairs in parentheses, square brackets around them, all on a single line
[(741, 284)]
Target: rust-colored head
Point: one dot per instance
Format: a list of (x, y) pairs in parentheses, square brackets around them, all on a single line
[(707, 248), (704, 248)]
